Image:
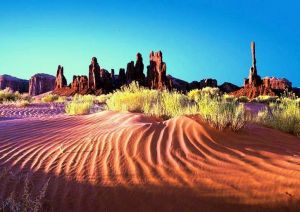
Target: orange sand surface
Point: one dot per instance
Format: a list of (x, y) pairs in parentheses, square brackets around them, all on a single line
[(128, 162)]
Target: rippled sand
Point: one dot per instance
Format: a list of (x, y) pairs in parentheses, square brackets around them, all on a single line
[(111, 161)]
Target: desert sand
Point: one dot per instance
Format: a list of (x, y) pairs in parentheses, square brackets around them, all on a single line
[(111, 161)]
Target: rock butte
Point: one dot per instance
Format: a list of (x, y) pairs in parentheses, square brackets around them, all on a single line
[(41, 83)]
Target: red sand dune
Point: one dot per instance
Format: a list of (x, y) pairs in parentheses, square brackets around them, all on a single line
[(128, 162)]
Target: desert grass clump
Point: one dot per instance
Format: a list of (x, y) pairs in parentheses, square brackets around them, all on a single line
[(22, 103), (102, 98), (197, 94), (283, 115), (25, 202), (243, 99), (132, 98), (214, 109), (229, 98), (49, 98), (9, 95), (80, 105), (221, 114), (170, 104), (265, 99), (61, 99)]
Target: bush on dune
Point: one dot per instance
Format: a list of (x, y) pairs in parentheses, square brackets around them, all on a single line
[(102, 98), (49, 98), (206, 102), (221, 113), (283, 115), (80, 105), (61, 99), (265, 99)]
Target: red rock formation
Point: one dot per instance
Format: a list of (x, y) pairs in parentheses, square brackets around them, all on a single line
[(60, 80), (208, 83), (41, 83), (156, 72), (80, 83), (254, 79), (277, 83), (14, 83), (94, 74), (252, 91), (254, 86)]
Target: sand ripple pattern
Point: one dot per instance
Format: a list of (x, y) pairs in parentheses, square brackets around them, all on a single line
[(39, 110), (122, 161)]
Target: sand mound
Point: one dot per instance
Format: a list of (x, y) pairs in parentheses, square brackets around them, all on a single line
[(122, 161)]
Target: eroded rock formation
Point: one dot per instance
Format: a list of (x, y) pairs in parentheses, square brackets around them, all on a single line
[(254, 79), (130, 73), (41, 83), (121, 77), (254, 86), (80, 83), (94, 74), (156, 72), (277, 83), (14, 83), (60, 80), (139, 69)]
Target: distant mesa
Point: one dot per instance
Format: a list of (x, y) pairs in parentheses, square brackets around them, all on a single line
[(228, 87), (41, 83), (14, 83), (254, 86)]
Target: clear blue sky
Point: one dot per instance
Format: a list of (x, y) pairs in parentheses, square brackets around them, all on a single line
[(199, 39)]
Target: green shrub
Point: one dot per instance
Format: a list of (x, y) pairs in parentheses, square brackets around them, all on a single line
[(283, 115), (80, 105)]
